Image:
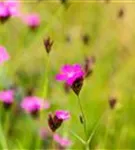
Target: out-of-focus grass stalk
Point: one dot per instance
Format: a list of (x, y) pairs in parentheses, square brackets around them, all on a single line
[(7, 122), (3, 142), (3, 139), (108, 124), (44, 96)]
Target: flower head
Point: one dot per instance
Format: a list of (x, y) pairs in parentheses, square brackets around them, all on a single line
[(32, 20), (4, 12), (33, 104), (69, 73), (64, 142), (62, 114), (7, 97), (57, 119), (44, 133), (13, 7)]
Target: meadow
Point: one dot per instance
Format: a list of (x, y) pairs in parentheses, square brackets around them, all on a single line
[(98, 35)]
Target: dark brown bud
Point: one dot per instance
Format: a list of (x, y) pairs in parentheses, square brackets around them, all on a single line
[(48, 44), (77, 85), (51, 123), (88, 65), (86, 39), (57, 122), (4, 19), (112, 102), (54, 123), (30, 91), (81, 119), (63, 1), (35, 113), (7, 105), (121, 13)]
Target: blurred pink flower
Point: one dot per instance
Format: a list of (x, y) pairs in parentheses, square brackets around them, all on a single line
[(44, 133), (13, 7), (32, 104), (32, 20), (7, 96), (4, 12), (64, 142), (62, 114), (69, 73), (4, 56)]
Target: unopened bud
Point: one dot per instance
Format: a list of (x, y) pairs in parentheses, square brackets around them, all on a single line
[(48, 44)]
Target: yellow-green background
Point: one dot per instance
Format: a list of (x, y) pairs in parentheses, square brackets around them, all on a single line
[(112, 42)]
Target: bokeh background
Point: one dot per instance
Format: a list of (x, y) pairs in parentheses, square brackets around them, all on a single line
[(79, 29)]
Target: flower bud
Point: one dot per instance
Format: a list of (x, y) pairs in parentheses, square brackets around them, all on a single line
[(77, 85), (48, 44), (112, 102)]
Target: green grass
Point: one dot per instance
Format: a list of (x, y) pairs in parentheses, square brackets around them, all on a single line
[(111, 42)]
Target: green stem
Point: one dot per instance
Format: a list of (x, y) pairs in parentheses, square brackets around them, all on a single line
[(45, 86), (44, 95), (7, 123), (3, 141), (83, 117)]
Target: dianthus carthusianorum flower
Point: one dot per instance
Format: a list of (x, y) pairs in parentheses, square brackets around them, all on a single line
[(32, 20), (63, 142), (57, 119), (13, 7), (33, 104), (62, 114), (4, 12), (69, 73), (73, 75), (7, 97), (4, 56), (9, 8)]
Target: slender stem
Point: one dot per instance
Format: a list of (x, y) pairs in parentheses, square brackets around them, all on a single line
[(53, 143), (45, 86), (83, 117)]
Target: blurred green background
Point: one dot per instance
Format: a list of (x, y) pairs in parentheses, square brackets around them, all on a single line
[(111, 31)]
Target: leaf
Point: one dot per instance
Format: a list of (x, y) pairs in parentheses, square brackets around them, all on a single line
[(95, 128), (78, 137)]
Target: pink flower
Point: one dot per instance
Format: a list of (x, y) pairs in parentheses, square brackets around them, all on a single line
[(32, 20), (4, 12), (64, 142), (4, 56), (7, 96), (32, 104), (56, 120), (62, 114), (13, 7), (69, 73), (44, 133)]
